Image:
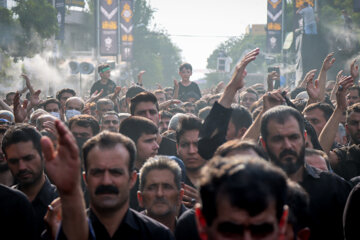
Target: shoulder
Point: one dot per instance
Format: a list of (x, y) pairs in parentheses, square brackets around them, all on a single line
[(156, 229)]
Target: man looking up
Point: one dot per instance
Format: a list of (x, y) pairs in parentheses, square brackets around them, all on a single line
[(283, 137), (160, 191), (23, 153), (104, 84)]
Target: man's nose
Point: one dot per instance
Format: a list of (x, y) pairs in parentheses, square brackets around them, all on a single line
[(22, 165), (107, 178), (287, 143)]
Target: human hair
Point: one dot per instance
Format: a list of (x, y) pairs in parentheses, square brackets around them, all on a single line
[(298, 201), (64, 90), (35, 115), (3, 129), (204, 112), (143, 97), (22, 132), (135, 126), (316, 152), (7, 96), (248, 183), (186, 66), (200, 104), (42, 118), (159, 91), (165, 114), (296, 91), (101, 67), (327, 109), (133, 91), (187, 123), (280, 114), (351, 109), (73, 98), (51, 100), (300, 104), (108, 140), (104, 101), (250, 90), (160, 163), (240, 117), (8, 114), (311, 133), (240, 145), (85, 120)]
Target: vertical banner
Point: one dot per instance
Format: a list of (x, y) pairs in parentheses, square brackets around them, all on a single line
[(274, 26), (60, 14), (126, 25), (108, 27)]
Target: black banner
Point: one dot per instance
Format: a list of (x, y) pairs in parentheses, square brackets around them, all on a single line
[(60, 14), (126, 25), (274, 26), (108, 27)]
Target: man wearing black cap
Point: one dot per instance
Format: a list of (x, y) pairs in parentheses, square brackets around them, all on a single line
[(105, 84)]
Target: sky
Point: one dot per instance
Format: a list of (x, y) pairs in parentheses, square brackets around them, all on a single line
[(209, 22)]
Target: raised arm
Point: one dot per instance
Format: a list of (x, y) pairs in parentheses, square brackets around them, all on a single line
[(328, 134), (354, 70), (327, 64), (63, 168)]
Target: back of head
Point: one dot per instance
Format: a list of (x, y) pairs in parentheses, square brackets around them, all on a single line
[(104, 101), (237, 145), (259, 182), (133, 91), (22, 133), (174, 121), (143, 97), (353, 108), (64, 90), (187, 123), (134, 126), (108, 140), (240, 117), (85, 121)]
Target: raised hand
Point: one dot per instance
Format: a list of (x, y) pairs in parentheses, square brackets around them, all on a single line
[(354, 70), (139, 76), (20, 111), (62, 165), (328, 61), (312, 89), (176, 84), (345, 83), (272, 99)]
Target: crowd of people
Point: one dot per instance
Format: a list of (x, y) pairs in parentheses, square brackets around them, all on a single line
[(235, 162)]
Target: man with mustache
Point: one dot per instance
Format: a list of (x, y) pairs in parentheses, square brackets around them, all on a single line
[(160, 191), (283, 137), (23, 153)]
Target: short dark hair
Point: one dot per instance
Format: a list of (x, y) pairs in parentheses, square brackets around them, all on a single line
[(351, 109), (240, 117), (72, 98), (280, 114), (296, 91), (135, 126), (240, 145), (143, 97), (160, 163), (165, 114), (259, 182), (7, 96), (51, 100), (133, 91), (22, 132), (3, 129), (109, 113), (64, 90), (327, 109), (204, 112), (108, 140), (355, 88), (252, 91), (187, 123), (104, 101), (186, 66), (85, 120)]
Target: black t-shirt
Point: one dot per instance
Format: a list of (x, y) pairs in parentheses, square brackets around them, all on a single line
[(352, 214), (167, 147), (191, 91), (186, 226), (108, 88), (17, 219)]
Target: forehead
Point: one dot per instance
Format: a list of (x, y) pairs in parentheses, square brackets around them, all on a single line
[(74, 102), (228, 213), (20, 148), (110, 117), (314, 113), (144, 106), (247, 94), (353, 92), (354, 116), (105, 105), (52, 105), (115, 157), (145, 136), (288, 127), (160, 176), (67, 95), (190, 136)]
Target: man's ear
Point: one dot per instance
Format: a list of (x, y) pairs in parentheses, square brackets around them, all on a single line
[(283, 220), (140, 199), (305, 135), (181, 195), (84, 177), (133, 178), (263, 143), (200, 222)]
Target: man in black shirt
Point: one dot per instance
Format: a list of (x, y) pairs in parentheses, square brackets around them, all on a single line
[(23, 153), (283, 137), (109, 171), (104, 84)]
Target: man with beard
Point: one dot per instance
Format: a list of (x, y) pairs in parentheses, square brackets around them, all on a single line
[(5, 175), (23, 153), (160, 191), (283, 137)]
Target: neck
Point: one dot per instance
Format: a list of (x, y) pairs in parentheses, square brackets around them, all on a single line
[(31, 191), (104, 80), (139, 163), (112, 219), (298, 175), (193, 175), (168, 220)]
